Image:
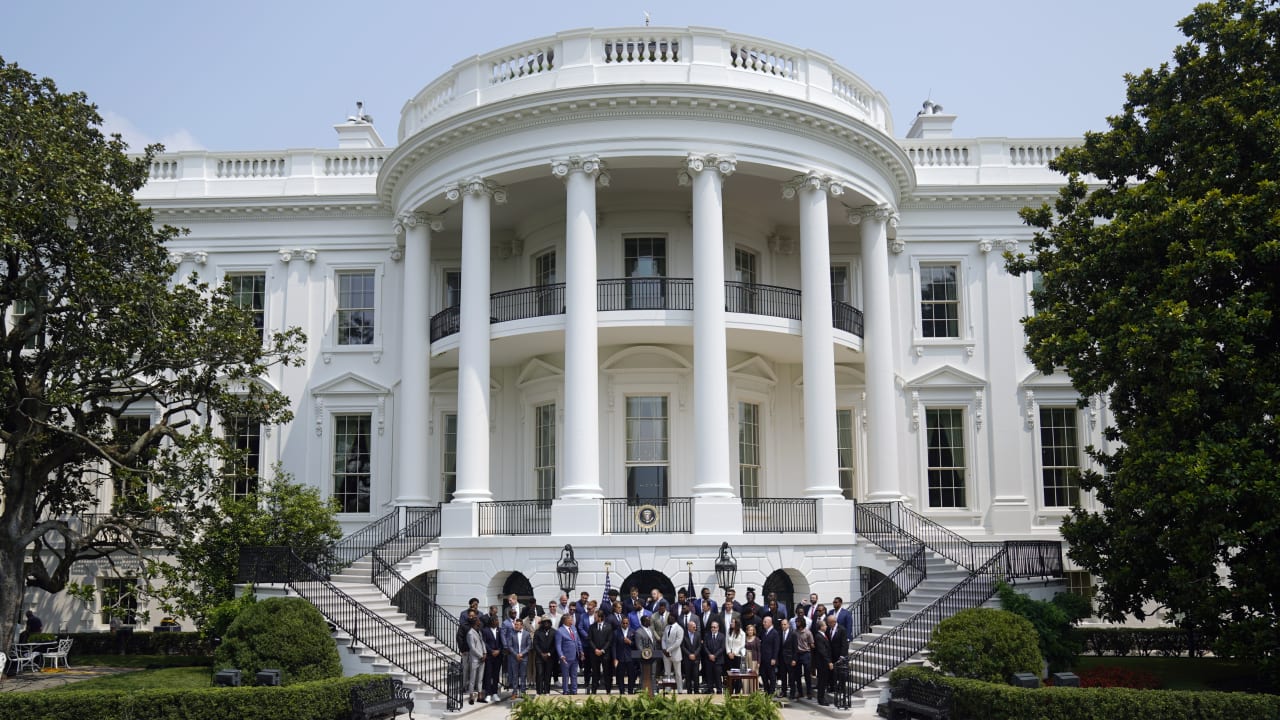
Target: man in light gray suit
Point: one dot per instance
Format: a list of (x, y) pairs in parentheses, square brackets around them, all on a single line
[(672, 638), (473, 662)]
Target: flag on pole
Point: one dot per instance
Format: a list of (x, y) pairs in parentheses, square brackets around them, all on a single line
[(606, 584), (689, 590)]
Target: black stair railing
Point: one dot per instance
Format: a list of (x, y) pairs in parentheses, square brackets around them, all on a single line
[(885, 596), (431, 666), (421, 527), (416, 605), (363, 541)]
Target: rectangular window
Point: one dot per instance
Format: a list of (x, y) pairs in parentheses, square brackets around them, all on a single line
[(120, 600), (550, 302), (1059, 456), (840, 284), (356, 300), (352, 462), (544, 451), (1080, 583), (452, 288), (939, 301), (743, 298), (449, 457), (245, 437), (130, 486), (647, 449), (645, 264), (844, 450), (946, 457), (249, 292), (23, 306), (748, 450)]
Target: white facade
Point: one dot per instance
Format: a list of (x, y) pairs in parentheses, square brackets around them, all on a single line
[(584, 199)]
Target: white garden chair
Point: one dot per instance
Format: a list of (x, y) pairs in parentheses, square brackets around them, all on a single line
[(24, 659), (59, 653)]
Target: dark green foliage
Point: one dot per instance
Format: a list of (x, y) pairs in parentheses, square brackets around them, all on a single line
[(320, 700), (1160, 291), (189, 644), (985, 644), (642, 707), (1053, 621), (1143, 641), (287, 634), (220, 617), (977, 700)]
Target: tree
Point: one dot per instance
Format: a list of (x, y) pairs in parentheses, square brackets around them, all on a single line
[(1160, 290), (281, 514), (1054, 622), (95, 334), (986, 644)]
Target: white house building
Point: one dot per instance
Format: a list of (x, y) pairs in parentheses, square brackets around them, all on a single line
[(646, 291)]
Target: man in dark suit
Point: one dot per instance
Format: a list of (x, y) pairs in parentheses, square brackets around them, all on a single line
[(600, 653), (786, 657), (544, 648), (703, 603), (822, 660), (770, 648), (782, 607), (842, 615), (690, 655), (839, 647), (632, 602), (626, 667), (713, 659), (492, 659), (687, 615)]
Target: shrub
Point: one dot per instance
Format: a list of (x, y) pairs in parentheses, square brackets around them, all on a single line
[(1053, 621), (320, 700), (977, 700), (986, 644), (220, 616), (1109, 676), (284, 633), (190, 644), (757, 706), (1146, 641)]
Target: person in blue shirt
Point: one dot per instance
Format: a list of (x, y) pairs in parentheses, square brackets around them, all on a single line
[(569, 647)]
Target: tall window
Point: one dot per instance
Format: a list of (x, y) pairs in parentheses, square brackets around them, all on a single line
[(1059, 456), (1080, 583), (645, 264), (844, 451), (452, 288), (544, 451), (748, 450), (840, 284), (647, 448), (356, 300), (743, 298), (119, 599), (245, 437), (544, 275), (249, 292), (352, 468), (23, 306), (939, 301), (130, 486), (946, 457), (449, 457)]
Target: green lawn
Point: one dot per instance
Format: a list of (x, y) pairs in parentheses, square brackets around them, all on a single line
[(139, 661), (1183, 673), (172, 678)]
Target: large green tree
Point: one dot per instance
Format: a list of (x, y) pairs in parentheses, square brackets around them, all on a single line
[(95, 332), (1160, 290)]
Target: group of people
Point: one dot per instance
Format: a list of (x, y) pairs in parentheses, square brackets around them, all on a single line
[(634, 642)]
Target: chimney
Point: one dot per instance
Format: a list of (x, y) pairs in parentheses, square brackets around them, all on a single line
[(358, 133), (931, 123)]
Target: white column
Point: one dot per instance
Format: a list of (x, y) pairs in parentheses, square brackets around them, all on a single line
[(473, 341), (581, 480), (415, 359), (877, 351), (710, 355), (821, 469)]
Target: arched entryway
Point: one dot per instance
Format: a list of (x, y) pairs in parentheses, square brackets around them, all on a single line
[(646, 581), (517, 583), (779, 582)]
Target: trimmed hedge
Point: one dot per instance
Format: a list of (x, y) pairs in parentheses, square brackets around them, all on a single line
[(1144, 641), (977, 700), (190, 644), (285, 633), (757, 706), (319, 700)]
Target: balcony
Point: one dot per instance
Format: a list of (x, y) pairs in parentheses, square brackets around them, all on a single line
[(659, 293)]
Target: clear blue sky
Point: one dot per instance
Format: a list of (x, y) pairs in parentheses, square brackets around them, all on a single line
[(273, 74)]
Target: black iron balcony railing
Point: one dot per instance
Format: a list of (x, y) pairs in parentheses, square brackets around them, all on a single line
[(779, 515), (649, 293), (631, 516), (515, 517)]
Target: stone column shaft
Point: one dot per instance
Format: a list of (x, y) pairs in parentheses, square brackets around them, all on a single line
[(877, 349), (415, 361)]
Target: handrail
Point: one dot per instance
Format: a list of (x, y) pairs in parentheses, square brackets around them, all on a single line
[(515, 517), (411, 654), (885, 596), (409, 599), (874, 521), (363, 541), (422, 525), (780, 515)]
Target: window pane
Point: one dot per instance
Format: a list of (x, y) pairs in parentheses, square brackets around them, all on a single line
[(939, 301), (946, 457), (1059, 456), (452, 288), (355, 308), (449, 457), (840, 284), (351, 462), (844, 451), (544, 462), (748, 450), (647, 447), (245, 437), (248, 292)]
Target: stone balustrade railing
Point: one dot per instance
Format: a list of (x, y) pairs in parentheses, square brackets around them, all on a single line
[(989, 152), (645, 55), (196, 173)]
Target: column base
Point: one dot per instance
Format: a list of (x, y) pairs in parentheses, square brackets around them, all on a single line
[(884, 496), (835, 516), (574, 516), (459, 520), (718, 516)]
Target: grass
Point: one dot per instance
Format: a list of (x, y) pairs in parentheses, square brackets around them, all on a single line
[(1184, 673), (140, 661), (173, 678)]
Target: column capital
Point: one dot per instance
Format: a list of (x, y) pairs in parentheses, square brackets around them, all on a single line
[(812, 181), (408, 220), (587, 164), (476, 185), (700, 162), (883, 213)]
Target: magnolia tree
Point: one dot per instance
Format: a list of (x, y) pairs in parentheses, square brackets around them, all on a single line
[(97, 336)]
